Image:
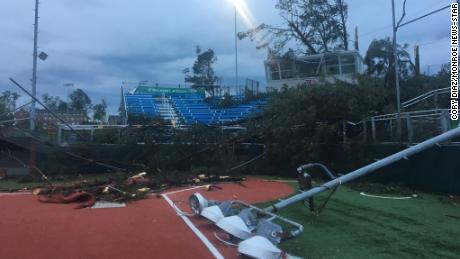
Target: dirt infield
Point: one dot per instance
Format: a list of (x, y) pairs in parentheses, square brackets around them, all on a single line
[(148, 228)]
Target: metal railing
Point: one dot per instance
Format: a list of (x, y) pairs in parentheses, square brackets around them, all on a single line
[(425, 96), (418, 125)]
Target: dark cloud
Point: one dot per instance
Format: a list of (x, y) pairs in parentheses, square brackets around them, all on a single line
[(97, 45)]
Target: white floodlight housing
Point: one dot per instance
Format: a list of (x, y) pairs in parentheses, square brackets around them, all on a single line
[(248, 218), (260, 235), (212, 210), (240, 225), (235, 226), (213, 213), (217, 212), (269, 230), (197, 203), (259, 247)]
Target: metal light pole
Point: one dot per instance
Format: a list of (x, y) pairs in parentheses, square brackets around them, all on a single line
[(236, 57), (395, 55), (396, 66), (34, 70)]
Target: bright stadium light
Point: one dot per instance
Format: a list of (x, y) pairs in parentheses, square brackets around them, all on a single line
[(210, 209), (197, 203), (242, 9), (257, 234)]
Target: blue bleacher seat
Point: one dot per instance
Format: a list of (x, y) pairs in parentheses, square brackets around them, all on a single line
[(192, 108)]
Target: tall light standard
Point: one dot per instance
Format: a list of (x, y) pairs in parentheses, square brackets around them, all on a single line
[(396, 66), (236, 55), (236, 7), (34, 70), (43, 56)]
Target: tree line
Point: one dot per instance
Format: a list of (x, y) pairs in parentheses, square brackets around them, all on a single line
[(79, 101)]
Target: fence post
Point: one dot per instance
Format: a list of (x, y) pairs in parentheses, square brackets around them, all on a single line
[(410, 129), (391, 129), (436, 100), (445, 121), (374, 137), (364, 131), (119, 136), (59, 136), (92, 135)]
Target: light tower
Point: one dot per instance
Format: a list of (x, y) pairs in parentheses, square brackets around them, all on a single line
[(236, 56), (34, 70)]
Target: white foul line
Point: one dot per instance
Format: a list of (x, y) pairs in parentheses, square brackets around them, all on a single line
[(184, 190), (197, 232)]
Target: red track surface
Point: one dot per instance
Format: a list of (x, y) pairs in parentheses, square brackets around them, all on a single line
[(148, 228)]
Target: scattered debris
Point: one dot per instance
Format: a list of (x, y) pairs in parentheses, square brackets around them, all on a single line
[(451, 199), (84, 198), (120, 190), (108, 204), (210, 187)]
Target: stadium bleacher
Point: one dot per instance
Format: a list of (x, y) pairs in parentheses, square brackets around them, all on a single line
[(189, 106), (196, 110), (141, 104)]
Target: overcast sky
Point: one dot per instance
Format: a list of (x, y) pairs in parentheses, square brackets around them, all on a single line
[(98, 44)]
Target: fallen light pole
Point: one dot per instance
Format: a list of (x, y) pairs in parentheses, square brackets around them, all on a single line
[(404, 154), (255, 226)]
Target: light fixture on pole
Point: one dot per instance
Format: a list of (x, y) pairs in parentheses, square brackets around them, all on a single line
[(43, 56)]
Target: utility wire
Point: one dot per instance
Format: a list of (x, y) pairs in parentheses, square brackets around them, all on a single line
[(246, 163), (44, 177), (14, 120), (431, 42), (431, 7), (363, 35), (46, 108), (18, 108), (423, 16), (70, 153)]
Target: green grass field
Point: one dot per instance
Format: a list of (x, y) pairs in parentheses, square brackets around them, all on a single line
[(355, 226)]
